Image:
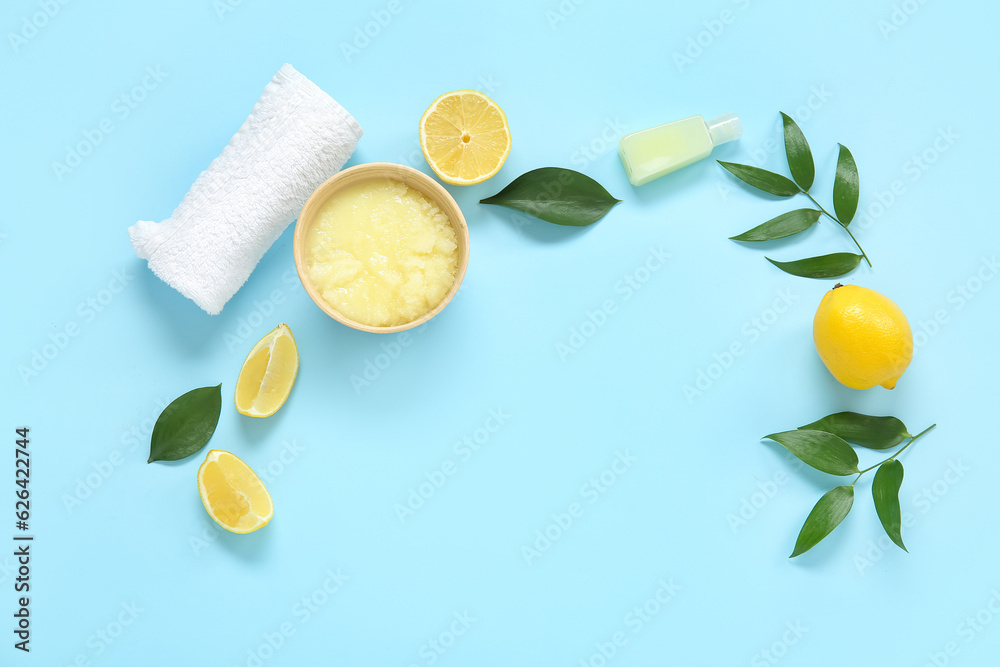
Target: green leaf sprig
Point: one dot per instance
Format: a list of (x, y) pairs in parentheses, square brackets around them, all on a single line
[(846, 190), (556, 195), (186, 425), (826, 446)]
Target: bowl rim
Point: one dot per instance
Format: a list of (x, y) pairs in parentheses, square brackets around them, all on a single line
[(428, 187)]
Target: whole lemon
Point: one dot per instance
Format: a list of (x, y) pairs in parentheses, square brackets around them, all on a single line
[(862, 337)]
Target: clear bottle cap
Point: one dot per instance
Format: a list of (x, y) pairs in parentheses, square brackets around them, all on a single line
[(724, 128)]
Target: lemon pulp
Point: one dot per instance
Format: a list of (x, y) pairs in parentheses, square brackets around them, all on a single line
[(464, 137)]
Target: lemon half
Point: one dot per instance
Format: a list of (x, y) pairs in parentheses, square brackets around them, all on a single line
[(465, 137)]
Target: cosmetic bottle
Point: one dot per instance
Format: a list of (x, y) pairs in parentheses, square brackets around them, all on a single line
[(649, 154)]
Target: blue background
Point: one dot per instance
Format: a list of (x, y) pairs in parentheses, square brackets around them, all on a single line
[(127, 568)]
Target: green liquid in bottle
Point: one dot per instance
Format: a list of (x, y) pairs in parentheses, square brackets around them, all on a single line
[(649, 154)]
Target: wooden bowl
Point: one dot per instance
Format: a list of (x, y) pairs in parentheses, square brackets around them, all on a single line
[(417, 180)]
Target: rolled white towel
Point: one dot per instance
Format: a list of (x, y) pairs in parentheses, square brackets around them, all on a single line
[(295, 138)]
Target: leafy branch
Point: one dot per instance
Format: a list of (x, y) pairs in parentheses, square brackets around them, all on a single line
[(846, 190), (826, 446)]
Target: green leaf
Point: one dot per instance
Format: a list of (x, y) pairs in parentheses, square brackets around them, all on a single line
[(556, 195), (800, 158), (885, 492), (846, 187), (824, 266), (824, 517), (784, 225), (186, 425), (823, 451), (762, 179), (870, 432)]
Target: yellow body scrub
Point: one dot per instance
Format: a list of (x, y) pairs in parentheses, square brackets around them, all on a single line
[(381, 253)]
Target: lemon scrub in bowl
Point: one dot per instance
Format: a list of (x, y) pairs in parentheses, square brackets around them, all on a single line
[(381, 247)]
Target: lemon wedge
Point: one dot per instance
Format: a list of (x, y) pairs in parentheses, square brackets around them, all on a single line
[(232, 493), (268, 374), (465, 137)]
